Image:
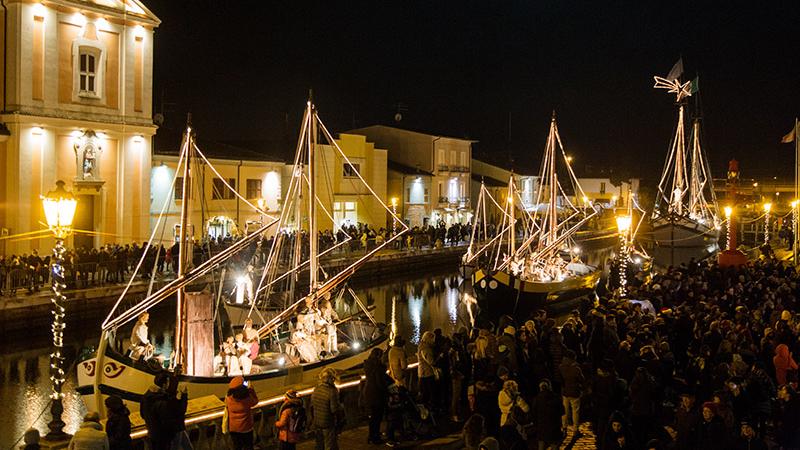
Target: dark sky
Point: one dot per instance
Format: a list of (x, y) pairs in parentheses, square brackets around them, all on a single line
[(469, 68)]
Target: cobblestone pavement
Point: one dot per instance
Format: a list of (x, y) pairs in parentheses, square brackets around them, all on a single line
[(356, 438)]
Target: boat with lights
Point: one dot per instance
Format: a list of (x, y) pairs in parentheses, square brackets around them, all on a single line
[(684, 224), (290, 343), (533, 260)]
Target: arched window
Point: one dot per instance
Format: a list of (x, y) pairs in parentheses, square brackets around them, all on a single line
[(87, 75), (88, 63)]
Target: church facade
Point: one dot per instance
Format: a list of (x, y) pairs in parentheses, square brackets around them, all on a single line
[(77, 107)]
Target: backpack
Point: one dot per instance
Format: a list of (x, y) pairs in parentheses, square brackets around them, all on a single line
[(297, 419)]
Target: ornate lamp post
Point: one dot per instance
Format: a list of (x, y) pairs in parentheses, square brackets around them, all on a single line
[(767, 208), (623, 227), (59, 210)]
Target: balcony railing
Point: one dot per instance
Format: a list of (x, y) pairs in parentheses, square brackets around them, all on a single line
[(459, 169), (443, 168)]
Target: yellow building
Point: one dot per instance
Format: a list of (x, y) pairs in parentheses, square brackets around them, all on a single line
[(77, 107), (340, 190), (216, 207)]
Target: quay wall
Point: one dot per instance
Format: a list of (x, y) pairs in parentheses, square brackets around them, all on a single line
[(85, 305)]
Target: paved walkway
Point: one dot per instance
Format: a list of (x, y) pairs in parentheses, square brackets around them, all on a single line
[(356, 438)]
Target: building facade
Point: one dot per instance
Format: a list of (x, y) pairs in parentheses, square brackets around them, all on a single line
[(448, 159), (409, 191), (77, 107), (217, 212)]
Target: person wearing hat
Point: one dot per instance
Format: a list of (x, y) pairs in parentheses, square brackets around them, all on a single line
[(239, 405), (118, 425), (397, 361), (163, 411), (90, 436), (509, 340), (571, 389), (784, 363), (326, 410), (287, 437)]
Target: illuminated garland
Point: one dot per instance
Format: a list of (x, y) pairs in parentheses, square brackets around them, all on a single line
[(623, 264), (57, 356), (766, 227)]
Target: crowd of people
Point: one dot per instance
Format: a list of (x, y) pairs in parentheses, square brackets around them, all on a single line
[(114, 263), (703, 358)]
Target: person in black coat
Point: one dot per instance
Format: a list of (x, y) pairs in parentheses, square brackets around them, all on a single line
[(547, 409), (375, 393), (618, 433), (788, 429), (163, 412), (118, 426), (608, 394), (748, 440), (711, 430)]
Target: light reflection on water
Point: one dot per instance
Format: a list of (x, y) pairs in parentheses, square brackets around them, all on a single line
[(419, 305)]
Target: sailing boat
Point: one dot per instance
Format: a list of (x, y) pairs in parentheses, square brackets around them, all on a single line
[(513, 279), (684, 223), (280, 362)]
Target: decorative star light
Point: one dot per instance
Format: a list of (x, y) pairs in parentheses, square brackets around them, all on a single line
[(681, 90)]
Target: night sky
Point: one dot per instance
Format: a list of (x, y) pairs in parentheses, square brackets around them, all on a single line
[(491, 71)]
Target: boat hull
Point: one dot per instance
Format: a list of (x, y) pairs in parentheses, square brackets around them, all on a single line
[(119, 376), (677, 240), (499, 293)]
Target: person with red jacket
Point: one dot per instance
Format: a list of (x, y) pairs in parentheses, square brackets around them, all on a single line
[(784, 363), (287, 437), (239, 405)]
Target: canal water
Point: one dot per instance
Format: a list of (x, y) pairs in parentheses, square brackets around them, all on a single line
[(414, 305)]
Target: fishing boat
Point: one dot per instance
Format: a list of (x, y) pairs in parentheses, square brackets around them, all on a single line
[(684, 224), (533, 260), (286, 356)]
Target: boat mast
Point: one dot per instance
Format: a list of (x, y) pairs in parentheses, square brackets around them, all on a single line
[(676, 205), (312, 204), (184, 251), (512, 218), (552, 212)]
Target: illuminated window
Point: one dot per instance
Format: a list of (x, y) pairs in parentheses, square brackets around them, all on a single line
[(253, 188), (221, 192), (89, 71), (344, 213), (602, 188), (351, 171)]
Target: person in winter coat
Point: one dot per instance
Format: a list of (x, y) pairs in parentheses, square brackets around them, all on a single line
[(326, 410), (163, 412), (509, 399), (397, 361), (489, 443), (608, 395), (618, 433), (748, 440), (425, 369), (239, 405), (787, 433), (31, 438), (642, 394), (784, 363), (547, 408), (90, 436), (288, 439), (375, 393), (118, 425), (711, 430), (687, 418), (572, 386)]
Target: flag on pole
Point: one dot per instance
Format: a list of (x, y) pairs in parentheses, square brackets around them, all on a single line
[(790, 137), (695, 85), (677, 70)]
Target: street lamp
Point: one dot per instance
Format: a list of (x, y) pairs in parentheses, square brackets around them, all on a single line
[(59, 210), (767, 208), (728, 213), (623, 227), (614, 200)]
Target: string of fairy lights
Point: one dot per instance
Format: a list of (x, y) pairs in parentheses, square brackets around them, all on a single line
[(57, 356)]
